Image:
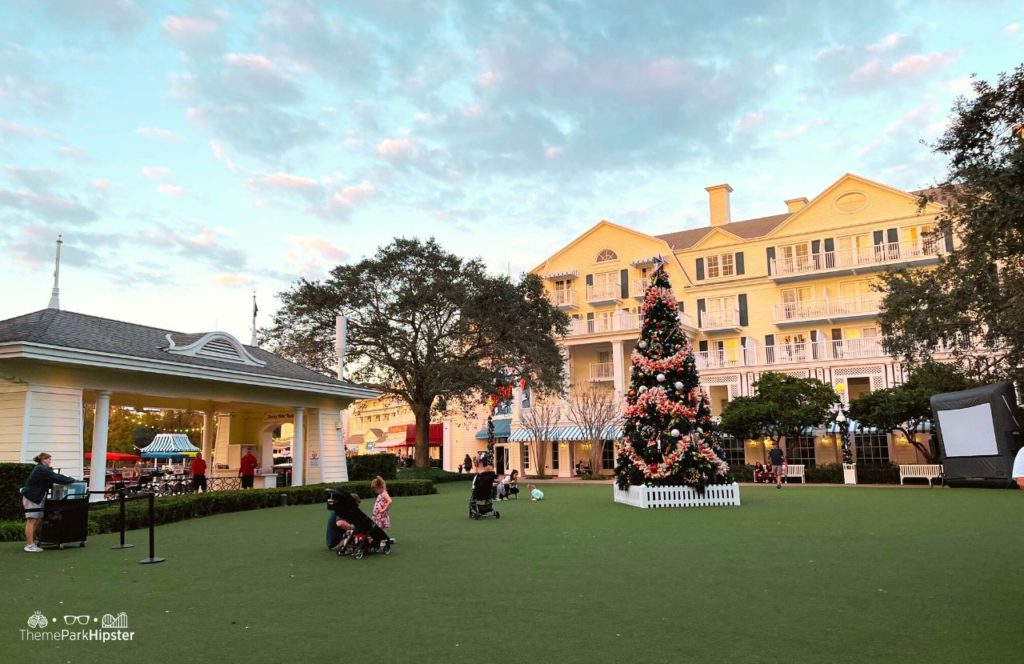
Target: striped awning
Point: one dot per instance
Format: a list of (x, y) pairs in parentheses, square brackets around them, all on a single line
[(558, 275), (170, 442), (502, 428), (645, 261), (560, 434)]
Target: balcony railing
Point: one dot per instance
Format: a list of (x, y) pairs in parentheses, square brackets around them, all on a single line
[(718, 320), (792, 353), (617, 322), (881, 254), (855, 348), (719, 359), (602, 371), (867, 303), (604, 293), (638, 288), (564, 299)]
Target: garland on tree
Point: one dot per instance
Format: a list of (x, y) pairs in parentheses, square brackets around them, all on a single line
[(667, 433)]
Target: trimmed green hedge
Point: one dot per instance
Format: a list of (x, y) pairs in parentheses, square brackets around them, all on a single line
[(12, 478), (742, 473), (889, 474), (169, 509), (435, 475), (368, 466), (826, 473)]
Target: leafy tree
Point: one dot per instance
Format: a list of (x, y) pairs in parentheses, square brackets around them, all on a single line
[(972, 304), (595, 411), (783, 407), (424, 326), (905, 407)]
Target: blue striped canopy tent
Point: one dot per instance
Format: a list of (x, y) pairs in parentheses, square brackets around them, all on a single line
[(169, 446), (565, 434)]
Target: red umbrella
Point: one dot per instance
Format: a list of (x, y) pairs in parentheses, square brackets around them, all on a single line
[(117, 456)]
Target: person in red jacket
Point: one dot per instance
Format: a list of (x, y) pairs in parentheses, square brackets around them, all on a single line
[(247, 469), (199, 473)]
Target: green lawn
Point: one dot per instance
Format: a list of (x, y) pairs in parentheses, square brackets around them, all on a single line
[(815, 574)]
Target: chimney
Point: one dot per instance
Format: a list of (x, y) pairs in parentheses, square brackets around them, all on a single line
[(718, 199), (796, 204)]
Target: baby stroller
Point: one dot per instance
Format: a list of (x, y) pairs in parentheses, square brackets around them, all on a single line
[(480, 501), (367, 537)]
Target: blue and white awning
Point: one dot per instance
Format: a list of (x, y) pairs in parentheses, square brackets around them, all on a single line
[(167, 445), (561, 275), (564, 434)]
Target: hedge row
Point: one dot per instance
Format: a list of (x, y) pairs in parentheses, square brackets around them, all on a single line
[(168, 509), (12, 478), (831, 473), (435, 475), (368, 466)]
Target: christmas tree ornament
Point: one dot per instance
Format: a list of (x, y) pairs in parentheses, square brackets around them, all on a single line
[(642, 344), (661, 378), (675, 433), (679, 385)]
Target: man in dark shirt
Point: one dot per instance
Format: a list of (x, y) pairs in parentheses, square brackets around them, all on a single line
[(778, 458)]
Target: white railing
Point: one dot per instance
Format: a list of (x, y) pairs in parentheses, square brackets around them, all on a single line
[(797, 352), (887, 252), (855, 348), (719, 319), (719, 359), (867, 303), (602, 371), (604, 292), (564, 298), (618, 322), (647, 497), (638, 288)]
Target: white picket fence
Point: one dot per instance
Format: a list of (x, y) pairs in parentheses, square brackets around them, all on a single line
[(645, 497)]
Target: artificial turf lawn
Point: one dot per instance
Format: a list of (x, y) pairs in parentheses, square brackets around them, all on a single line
[(816, 574)]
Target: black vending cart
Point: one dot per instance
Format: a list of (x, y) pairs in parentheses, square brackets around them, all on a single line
[(66, 516)]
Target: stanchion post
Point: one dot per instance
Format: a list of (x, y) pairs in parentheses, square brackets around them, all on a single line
[(122, 545), (152, 535)]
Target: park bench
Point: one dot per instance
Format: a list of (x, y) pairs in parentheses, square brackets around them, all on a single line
[(796, 470), (928, 471)]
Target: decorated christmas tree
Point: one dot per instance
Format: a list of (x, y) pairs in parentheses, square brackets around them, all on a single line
[(667, 433)]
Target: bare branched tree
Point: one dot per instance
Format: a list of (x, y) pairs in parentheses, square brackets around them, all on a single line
[(597, 412), (540, 421)]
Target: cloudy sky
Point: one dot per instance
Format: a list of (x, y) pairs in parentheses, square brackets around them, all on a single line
[(192, 152)]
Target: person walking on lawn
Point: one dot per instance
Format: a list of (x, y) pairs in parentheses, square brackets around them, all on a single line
[(778, 459)]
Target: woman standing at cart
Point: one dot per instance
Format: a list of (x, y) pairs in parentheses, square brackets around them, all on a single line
[(33, 496)]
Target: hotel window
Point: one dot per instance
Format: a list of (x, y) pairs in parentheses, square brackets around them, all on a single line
[(801, 451), (732, 447), (554, 455), (721, 309), (796, 256), (607, 255), (608, 455), (872, 449), (721, 265), (524, 456), (922, 238), (794, 300), (855, 250)]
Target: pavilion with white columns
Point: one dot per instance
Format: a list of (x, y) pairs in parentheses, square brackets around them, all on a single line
[(54, 363)]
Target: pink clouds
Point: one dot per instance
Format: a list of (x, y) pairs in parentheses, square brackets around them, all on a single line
[(800, 129), (287, 181), (350, 195), (918, 65), (189, 31), (395, 148), (170, 190), (888, 43), (311, 256), (230, 280)]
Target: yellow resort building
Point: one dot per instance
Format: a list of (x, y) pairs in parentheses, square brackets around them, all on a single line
[(789, 292)]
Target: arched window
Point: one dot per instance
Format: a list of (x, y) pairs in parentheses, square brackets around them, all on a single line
[(607, 255)]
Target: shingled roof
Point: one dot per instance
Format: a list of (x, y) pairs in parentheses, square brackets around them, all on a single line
[(74, 331), (747, 229)]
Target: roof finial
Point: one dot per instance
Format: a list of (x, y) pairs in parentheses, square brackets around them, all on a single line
[(55, 295), (255, 310)]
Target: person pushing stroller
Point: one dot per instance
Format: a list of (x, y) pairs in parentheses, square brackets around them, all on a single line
[(349, 530), (480, 500)]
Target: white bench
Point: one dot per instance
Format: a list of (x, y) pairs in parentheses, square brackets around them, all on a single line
[(796, 470), (928, 471)]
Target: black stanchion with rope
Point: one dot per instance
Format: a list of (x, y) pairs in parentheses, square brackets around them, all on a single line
[(152, 536), (121, 501)]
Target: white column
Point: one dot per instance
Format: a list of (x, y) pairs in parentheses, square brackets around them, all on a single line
[(298, 453), (266, 454), (208, 438), (98, 474), (447, 462), (567, 363), (618, 377)]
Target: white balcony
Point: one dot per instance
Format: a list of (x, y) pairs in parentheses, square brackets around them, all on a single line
[(819, 351), (604, 293), (856, 260), (601, 371), (828, 309), (617, 322), (794, 353), (720, 320), (638, 289), (564, 299), (856, 348), (719, 359)]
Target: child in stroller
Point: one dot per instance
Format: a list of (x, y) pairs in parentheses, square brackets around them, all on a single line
[(480, 500), (349, 531)]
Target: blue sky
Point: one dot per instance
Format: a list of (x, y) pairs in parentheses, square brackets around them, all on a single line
[(192, 152)]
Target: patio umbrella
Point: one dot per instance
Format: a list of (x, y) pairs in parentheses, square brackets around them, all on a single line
[(117, 456)]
